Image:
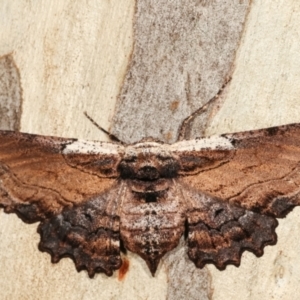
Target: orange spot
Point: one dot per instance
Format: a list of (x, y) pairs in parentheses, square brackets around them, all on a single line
[(124, 269), (168, 136), (174, 105)]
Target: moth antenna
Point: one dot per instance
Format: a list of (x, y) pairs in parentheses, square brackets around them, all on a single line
[(185, 124), (111, 136)]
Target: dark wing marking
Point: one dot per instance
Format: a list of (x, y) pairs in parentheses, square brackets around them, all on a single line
[(38, 176), (88, 233), (259, 170), (218, 232)]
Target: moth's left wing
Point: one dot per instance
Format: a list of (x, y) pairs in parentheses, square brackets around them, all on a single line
[(219, 232), (39, 175), (235, 185), (257, 170)]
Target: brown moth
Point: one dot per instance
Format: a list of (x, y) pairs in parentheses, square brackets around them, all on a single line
[(224, 192)]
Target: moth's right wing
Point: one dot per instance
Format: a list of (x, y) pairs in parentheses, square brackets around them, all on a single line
[(41, 175), (88, 233)]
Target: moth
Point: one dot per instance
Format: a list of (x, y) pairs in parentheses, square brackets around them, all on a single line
[(223, 193)]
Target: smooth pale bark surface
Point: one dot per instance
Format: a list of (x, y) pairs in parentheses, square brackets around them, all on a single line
[(10, 94), (73, 57), (183, 53)]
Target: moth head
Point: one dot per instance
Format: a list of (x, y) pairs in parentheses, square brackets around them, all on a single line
[(148, 162)]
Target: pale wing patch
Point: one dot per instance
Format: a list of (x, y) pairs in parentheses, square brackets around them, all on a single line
[(210, 143), (93, 147)]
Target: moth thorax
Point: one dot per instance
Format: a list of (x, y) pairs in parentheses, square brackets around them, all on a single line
[(148, 166)]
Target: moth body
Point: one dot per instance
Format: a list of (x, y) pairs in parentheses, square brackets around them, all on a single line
[(225, 192)]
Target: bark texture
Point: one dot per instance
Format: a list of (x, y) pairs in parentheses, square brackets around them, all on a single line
[(183, 52), (10, 94)]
